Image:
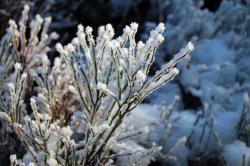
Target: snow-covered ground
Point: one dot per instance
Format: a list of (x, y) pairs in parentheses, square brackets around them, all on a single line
[(217, 74)]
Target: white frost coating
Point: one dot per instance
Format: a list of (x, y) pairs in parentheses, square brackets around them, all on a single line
[(102, 78), (11, 86), (26, 8), (52, 162), (160, 38), (88, 30), (4, 116), (190, 46), (39, 19), (175, 71), (32, 164), (59, 47), (24, 76), (140, 45), (101, 86), (161, 27), (13, 158), (134, 26), (180, 55), (32, 101), (18, 66), (141, 76), (50, 86), (70, 48), (66, 131)]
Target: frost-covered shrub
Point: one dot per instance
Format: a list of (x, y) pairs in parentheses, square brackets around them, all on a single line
[(72, 112), (20, 55), (113, 74)]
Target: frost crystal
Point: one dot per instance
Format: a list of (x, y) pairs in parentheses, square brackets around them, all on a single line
[(88, 91)]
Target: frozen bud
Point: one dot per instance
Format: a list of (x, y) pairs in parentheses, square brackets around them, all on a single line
[(12, 23), (70, 48), (59, 47), (26, 8), (80, 27), (101, 86), (134, 26), (72, 89), (17, 66), (160, 38), (75, 41), (140, 45), (175, 71), (141, 76), (66, 131), (88, 30), (127, 29), (13, 158), (32, 101), (39, 19), (11, 86), (24, 76), (101, 29), (109, 27), (52, 162), (161, 27), (190, 46), (122, 63), (48, 19)]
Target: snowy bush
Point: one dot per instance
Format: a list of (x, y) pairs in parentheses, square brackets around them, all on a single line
[(71, 111), (214, 79)]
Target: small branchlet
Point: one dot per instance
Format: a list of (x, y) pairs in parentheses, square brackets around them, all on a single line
[(111, 78)]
